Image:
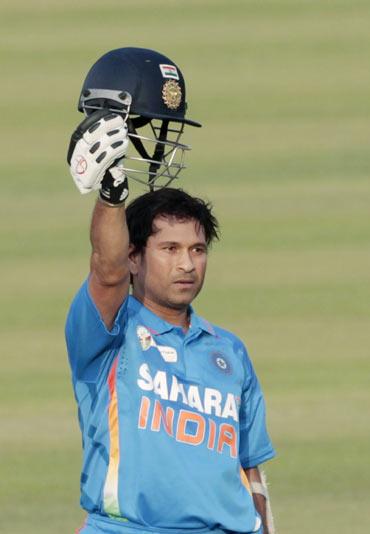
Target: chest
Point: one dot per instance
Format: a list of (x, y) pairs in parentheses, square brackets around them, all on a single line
[(196, 370)]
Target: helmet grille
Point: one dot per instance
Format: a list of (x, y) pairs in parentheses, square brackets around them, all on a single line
[(156, 156)]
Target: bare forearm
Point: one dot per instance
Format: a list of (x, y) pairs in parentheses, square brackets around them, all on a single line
[(260, 504), (109, 273), (109, 240)]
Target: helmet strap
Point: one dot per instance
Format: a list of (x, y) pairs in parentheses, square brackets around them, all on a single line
[(158, 153), (138, 122)]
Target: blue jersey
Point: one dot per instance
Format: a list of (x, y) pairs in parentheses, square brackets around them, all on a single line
[(168, 421)]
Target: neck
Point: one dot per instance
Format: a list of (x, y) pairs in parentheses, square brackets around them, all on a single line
[(176, 316)]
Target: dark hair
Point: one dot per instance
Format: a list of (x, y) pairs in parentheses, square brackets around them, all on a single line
[(142, 211)]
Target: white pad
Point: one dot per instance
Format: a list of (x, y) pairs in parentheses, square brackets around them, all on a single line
[(258, 487)]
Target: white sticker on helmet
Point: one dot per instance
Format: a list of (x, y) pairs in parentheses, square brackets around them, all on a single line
[(169, 71)]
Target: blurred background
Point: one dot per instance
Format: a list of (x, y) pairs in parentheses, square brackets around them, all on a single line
[(283, 90)]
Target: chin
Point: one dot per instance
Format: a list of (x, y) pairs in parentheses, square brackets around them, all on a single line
[(181, 301), (179, 304)]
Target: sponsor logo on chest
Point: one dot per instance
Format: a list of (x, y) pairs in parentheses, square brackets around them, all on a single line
[(194, 426), (205, 400)]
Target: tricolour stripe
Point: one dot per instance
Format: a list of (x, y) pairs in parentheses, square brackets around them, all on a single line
[(110, 492), (169, 71)]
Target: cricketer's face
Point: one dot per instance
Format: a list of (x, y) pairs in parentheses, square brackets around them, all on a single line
[(169, 273)]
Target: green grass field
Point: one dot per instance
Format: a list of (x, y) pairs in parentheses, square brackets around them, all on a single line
[(282, 88)]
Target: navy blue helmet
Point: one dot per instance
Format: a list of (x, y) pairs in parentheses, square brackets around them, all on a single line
[(148, 90)]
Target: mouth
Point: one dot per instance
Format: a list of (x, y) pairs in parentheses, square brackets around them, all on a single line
[(184, 283)]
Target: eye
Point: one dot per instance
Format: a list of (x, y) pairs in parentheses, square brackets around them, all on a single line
[(199, 250), (170, 248)]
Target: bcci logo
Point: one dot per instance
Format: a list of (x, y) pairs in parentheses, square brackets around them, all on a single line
[(171, 94), (220, 361)]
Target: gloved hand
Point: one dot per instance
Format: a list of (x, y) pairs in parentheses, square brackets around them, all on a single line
[(95, 154)]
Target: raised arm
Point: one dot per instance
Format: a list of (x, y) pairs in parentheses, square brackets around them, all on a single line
[(95, 157), (109, 275)]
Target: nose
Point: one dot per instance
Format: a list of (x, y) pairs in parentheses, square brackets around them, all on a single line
[(186, 263)]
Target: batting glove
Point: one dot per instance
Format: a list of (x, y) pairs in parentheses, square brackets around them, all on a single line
[(95, 154)]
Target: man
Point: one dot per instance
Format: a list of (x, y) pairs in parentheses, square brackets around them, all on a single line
[(170, 409)]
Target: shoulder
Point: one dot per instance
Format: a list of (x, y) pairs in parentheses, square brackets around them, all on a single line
[(227, 335), (84, 307), (223, 335)]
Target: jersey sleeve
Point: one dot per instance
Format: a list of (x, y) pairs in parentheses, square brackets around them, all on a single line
[(89, 342), (255, 446)]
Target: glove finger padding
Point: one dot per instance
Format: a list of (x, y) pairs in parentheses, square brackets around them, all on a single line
[(96, 145), (114, 186)]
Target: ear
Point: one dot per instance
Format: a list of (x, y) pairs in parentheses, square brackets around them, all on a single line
[(134, 260)]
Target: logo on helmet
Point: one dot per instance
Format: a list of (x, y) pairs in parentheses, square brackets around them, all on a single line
[(171, 94), (169, 71)]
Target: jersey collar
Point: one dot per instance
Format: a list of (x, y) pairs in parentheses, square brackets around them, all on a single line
[(198, 323), (157, 325)]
